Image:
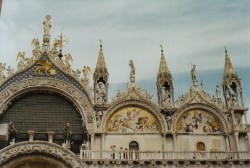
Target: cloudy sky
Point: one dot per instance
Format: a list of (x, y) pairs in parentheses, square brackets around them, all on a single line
[(191, 31)]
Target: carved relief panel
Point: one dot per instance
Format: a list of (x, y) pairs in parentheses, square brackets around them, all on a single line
[(132, 119), (198, 121)]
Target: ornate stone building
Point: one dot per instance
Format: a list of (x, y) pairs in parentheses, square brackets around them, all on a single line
[(50, 117)]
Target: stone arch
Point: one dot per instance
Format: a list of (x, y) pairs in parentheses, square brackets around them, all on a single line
[(209, 109), (200, 146), (49, 84), (134, 103), (39, 150)]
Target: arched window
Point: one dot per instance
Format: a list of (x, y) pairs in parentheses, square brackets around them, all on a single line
[(200, 146), (133, 148)]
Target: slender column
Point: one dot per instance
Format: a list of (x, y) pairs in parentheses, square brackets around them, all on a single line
[(92, 142), (245, 116), (227, 142), (175, 142), (248, 136), (103, 145), (236, 136), (163, 142), (92, 145)]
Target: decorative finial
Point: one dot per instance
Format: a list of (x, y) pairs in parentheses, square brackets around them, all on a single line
[(100, 43), (225, 50), (161, 48)]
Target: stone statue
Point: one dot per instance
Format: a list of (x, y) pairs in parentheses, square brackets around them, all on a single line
[(85, 135), (169, 121), (193, 74), (67, 133), (101, 94), (86, 70), (167, 99), (12, 132), (47, 25), (2, 69), (132, 71), (10, 71), (35, 43), (99, 115), (217, 92)]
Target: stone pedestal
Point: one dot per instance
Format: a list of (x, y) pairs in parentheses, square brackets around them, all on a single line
[(31, 135), (50, 136)]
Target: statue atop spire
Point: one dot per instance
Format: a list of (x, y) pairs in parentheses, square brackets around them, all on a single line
[(46, 35), (132, 71), (194, 75), (47, 25)]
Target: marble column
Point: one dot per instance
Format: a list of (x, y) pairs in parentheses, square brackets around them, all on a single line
[(227, 142), (175, 142), (103, 146), (245, 117), (236, 136), (248, 137)]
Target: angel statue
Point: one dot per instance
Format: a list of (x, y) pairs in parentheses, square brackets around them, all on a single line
[(2, 69), (86, 70), (68, 59), (35, 43), (132, 71), (21, 57), (10, 71)]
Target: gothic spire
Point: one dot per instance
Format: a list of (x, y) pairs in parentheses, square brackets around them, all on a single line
[(165, 88), (163, 64), (228, 69), (100, 62), (100, 77)]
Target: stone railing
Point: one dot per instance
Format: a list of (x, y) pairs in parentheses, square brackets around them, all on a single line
[(242, 127), (89, 155)]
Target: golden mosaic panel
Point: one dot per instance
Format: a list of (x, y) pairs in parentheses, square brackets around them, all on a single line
[(198, 121), (132, 119)]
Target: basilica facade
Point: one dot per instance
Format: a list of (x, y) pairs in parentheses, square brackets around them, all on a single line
[(51, 117)]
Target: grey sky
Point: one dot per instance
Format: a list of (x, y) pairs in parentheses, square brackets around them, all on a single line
[(191, 31)]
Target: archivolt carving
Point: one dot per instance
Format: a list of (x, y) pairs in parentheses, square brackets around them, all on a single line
[(40, 147), (215, 111), (59, 86), (136, 103)]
